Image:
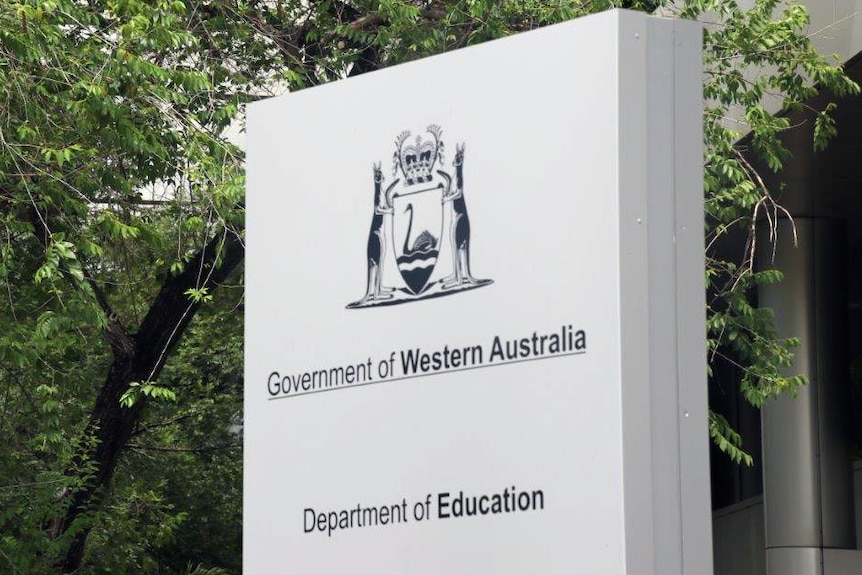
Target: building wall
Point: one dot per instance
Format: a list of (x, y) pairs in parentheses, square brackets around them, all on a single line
[(738, 533), (836, 26), (833, 190)]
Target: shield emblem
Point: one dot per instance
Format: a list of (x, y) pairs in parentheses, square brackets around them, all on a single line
[(417, 222)]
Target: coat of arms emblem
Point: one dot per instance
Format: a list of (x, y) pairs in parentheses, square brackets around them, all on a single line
[(416, 216)]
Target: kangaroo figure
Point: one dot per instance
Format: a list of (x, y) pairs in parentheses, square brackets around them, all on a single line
[(377, 241), (459, 228)]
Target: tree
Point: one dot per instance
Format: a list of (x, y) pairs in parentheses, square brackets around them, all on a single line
[(103, 101), (121, 211)]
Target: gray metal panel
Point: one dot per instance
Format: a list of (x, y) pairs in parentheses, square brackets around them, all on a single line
[(791, 478), (807, 475), (665, 439), (691, 300), (794, 561), (664, 392), (634, 296), (677, 337)]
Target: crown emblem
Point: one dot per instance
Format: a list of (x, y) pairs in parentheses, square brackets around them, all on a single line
[(416, 161), (417, 224)]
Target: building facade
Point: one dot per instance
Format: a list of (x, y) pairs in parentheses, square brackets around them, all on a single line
[(798, 510)]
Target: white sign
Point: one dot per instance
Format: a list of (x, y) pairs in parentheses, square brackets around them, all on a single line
[(474, 330)]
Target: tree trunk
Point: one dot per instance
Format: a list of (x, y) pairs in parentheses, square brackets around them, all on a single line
[(137, 358)]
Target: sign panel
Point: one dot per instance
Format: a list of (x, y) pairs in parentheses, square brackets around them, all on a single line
[(448, 321)]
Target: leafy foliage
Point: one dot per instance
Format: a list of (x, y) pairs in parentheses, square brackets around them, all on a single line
[(179, 505), (114, 176), (121, 220), (751, 57)]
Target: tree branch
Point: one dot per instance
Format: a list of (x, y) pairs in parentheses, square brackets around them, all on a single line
[(111, 425), (183, 449)]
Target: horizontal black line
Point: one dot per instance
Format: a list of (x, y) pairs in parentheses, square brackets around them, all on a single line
[(391, 379)]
